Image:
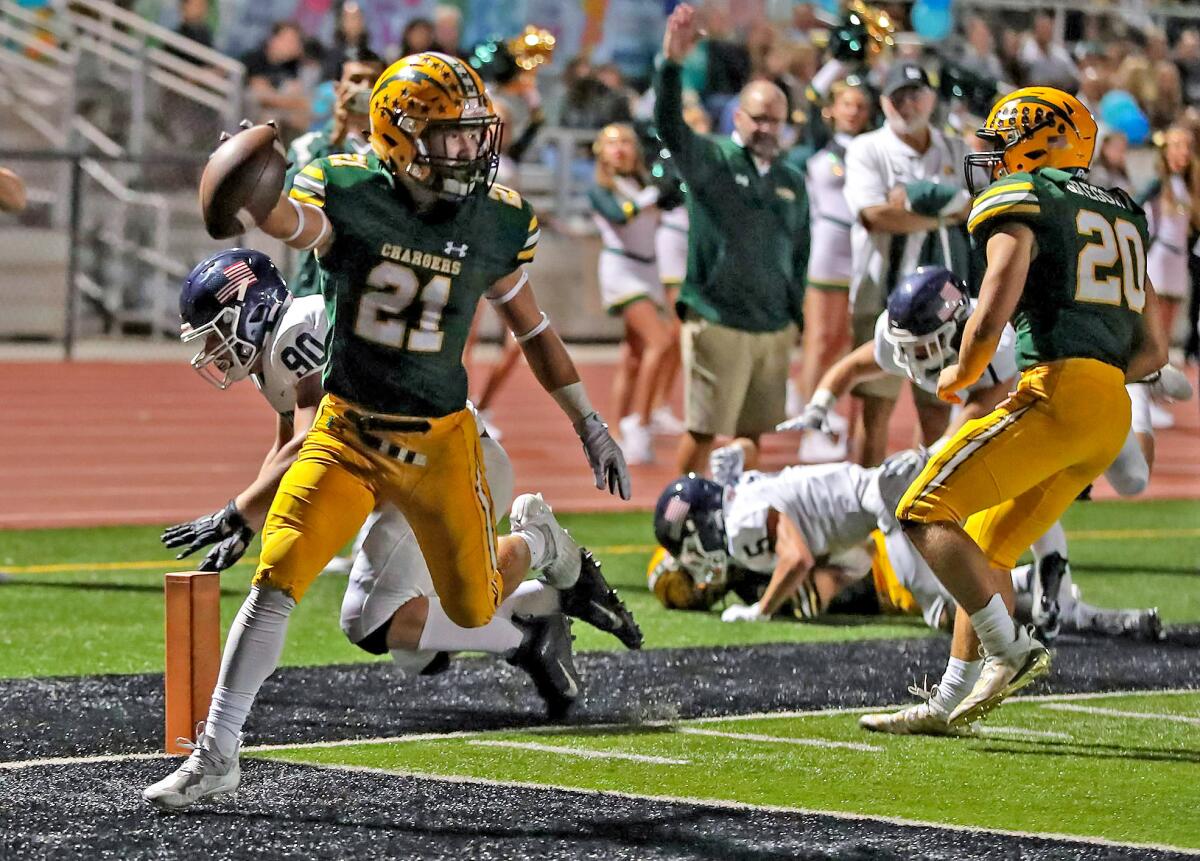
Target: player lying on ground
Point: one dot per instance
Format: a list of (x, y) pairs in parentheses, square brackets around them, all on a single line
[(236, 305), (918, 336), (1066, 263), (883, 574), (408, 239)]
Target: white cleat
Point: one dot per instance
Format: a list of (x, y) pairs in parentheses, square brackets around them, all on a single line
[(637, 442), (924, 718), (663, 422), (1003, 674), (562, 562), (206, 773)]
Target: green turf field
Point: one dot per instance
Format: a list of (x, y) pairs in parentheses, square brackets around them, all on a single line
[(1056, 765), (108, 583)]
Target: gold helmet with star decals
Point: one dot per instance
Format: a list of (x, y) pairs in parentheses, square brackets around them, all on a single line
[(1031, 128), (433, 122)]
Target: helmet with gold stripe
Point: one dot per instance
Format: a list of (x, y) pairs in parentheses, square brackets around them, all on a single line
[(432, 122), (1031, 128)]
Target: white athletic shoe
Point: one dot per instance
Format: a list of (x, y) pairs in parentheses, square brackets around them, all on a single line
[(819, 447), (924, 718), (560, 568), (663, 422), (637, 443), (1003, 674), (205, 773), (1161, 418)]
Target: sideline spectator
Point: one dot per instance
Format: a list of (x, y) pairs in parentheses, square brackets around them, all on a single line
[(979, 53), (417, 37), (346, 133), (588, 103), (447, 29), (1187, 59), (747, 255), (904, 187), (1109, 168), (350, 36), (193, 22), (1094, 81), (827, 295), (273, 78), (1046, 61), (1172, 203), (625, 210)]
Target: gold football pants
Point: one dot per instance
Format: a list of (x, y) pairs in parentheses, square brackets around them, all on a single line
[(1011, 474), (435, 477)]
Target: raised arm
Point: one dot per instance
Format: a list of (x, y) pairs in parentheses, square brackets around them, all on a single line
[(692, 152)]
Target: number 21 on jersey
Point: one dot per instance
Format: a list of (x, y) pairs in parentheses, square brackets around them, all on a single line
[(1108, 241), (383, 313)]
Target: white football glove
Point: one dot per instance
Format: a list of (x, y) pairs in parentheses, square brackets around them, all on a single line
[(743, 613), (1169, 382), (727, 464), (815, 415), (604, 455)]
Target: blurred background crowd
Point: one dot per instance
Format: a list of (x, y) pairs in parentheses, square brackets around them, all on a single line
[(142, 87)]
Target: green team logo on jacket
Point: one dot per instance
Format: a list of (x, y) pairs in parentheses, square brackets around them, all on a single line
[(401, 287), (1086, 286)]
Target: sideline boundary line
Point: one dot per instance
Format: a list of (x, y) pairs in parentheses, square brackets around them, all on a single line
[(666, 725), (603, 549), (585, 753), (1119, 713), (726, 804)]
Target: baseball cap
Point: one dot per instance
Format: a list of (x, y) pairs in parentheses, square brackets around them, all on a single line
[(904, 74)]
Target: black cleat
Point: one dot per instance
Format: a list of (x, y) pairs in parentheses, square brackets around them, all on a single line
[(1048, 573), (545, 653), (592, 600), (439, 665)]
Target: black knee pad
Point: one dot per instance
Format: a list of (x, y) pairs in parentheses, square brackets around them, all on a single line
[(376, 642)]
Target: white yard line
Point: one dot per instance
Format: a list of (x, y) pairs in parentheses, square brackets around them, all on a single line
[(578, 751), (774, 739), (1021, 731), (1096, 710), (770, 808)]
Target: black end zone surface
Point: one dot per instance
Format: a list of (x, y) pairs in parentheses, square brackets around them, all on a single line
[(75, 716), (287, 811)]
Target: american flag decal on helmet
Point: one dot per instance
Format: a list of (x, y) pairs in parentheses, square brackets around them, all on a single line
[(239, 277), (676, 513), (950, 296)]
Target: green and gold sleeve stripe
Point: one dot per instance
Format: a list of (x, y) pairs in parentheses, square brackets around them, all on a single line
[(1018, 199), (309, 186), (531, 240)]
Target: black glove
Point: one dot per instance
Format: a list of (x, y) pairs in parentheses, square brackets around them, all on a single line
[(206, 530), (228, 552)]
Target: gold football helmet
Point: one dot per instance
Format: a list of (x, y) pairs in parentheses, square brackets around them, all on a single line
[(433, 122), (1031, 128)]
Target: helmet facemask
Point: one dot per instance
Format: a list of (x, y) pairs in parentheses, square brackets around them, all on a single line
[(227, 359), (923, 357), (706, 564), (452, 158)]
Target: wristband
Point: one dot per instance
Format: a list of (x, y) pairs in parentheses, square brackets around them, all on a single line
[(573, 401)]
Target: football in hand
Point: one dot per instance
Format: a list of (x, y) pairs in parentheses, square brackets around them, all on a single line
[(242, 181)]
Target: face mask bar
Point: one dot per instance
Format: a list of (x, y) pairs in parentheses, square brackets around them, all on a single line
[(455, 178), (230, 360), (705, 566), (937, 346)]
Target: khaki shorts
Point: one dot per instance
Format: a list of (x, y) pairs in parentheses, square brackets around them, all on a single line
[(734, 381)]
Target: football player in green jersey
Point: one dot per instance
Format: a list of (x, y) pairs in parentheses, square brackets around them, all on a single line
[(1066, 261), (408, 238)]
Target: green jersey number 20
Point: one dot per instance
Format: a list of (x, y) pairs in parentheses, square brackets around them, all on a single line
[(1108, 241), (382, 312)]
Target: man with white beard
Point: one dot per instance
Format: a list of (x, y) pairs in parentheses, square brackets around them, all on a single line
[(905, 191)]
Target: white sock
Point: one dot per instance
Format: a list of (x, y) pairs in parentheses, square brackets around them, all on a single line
[(995, 627), (958, 680), (1054, 541), (531, 598), (442, 635), (1139, 402), (536, 542), (252, 652)]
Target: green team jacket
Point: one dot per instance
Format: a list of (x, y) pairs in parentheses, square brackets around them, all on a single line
[(1086, 288), (306, 280), (748, 238)]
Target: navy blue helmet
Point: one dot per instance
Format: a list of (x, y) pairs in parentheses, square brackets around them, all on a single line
[(925, 317), (689, 522), (230, 303)]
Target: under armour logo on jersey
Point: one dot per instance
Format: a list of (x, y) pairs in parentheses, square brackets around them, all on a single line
[(239, 276), (457, 250)]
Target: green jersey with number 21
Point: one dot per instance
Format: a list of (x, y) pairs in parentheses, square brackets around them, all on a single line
[(401, 289), (1087, 284)]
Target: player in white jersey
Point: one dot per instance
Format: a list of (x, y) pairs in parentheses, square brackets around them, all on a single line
[(390, 602)]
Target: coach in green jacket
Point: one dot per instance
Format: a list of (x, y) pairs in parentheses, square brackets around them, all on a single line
[(747, 256)]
